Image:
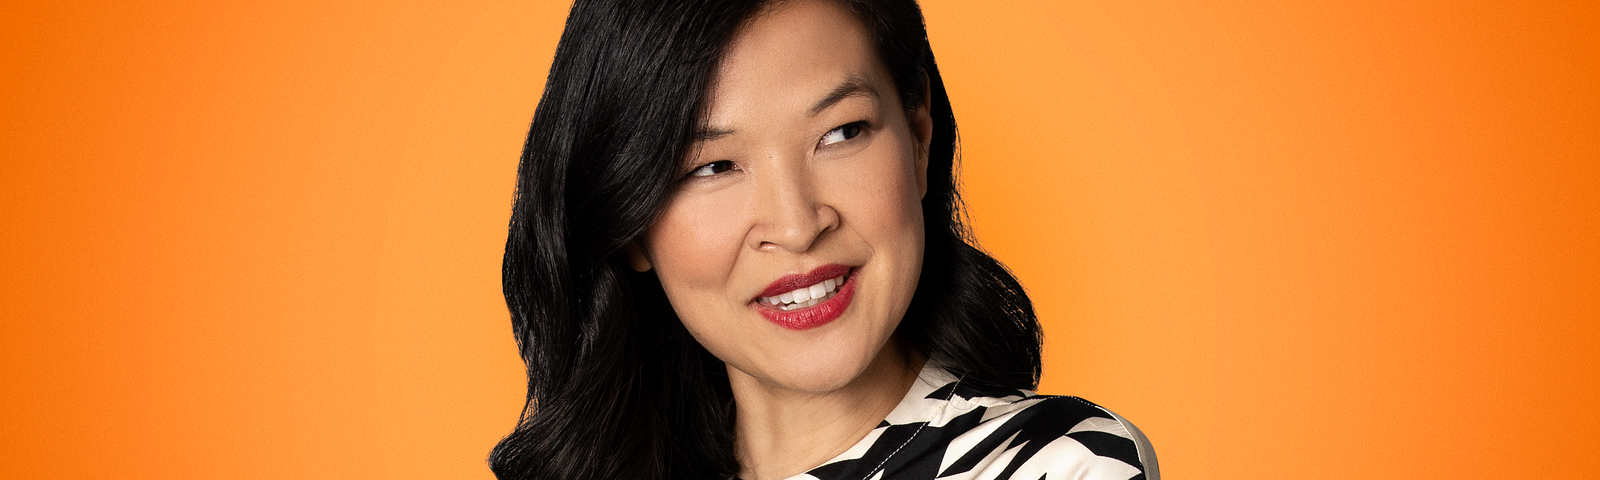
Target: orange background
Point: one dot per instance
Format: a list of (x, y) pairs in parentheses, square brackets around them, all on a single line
[(1289, 239)]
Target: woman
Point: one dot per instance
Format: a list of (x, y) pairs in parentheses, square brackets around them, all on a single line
[(735, 251)]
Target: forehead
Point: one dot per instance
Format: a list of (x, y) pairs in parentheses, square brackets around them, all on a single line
[(790, 55)]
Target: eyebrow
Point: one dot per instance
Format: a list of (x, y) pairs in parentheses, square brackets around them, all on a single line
[(852, 86), (706, 134)]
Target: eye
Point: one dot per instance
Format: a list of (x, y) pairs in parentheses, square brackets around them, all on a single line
[(712, 168), (844, 132)]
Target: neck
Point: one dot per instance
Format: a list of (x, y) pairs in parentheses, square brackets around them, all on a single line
[(781, 433)]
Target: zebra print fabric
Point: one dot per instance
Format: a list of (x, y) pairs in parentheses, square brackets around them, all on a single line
[(943, 429)]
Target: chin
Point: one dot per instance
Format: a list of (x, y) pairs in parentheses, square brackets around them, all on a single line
[(821, 373), (824, 381), (828, 369)]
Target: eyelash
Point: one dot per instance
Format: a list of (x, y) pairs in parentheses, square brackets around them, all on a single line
[(859, 127), (726, 163)]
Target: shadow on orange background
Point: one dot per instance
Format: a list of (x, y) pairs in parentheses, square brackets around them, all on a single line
[(1289, 239)]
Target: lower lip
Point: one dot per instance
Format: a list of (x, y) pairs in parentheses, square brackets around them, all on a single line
[(815, 315)]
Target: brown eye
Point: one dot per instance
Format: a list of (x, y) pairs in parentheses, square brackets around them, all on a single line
[(712, 168), (844, 132)]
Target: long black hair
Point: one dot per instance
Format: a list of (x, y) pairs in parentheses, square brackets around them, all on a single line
[(617, 388)]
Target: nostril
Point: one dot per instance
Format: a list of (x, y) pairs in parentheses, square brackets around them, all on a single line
[(828, 217)]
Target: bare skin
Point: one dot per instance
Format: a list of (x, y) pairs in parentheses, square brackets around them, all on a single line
[(782, 433)]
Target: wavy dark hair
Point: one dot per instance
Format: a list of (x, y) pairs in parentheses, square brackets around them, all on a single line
[(617, 388)]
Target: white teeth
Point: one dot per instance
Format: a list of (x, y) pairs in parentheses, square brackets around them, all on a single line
[(806, 296), (807, 303)]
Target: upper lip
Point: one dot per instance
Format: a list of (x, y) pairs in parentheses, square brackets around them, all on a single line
[(796, 281)]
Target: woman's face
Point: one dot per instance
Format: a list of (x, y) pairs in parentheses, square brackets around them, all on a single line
[(808, 171)]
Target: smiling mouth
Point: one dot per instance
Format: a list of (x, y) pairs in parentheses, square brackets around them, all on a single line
[(808, 300), (805, 296)]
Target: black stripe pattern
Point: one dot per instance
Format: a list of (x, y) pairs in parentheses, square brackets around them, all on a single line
[(945, 430)]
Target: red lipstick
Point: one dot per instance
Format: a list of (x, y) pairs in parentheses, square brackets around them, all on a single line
[(796, 281), (815, 315)]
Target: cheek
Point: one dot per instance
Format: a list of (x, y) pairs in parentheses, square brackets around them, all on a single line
[(881, 203), (882, 191), (692, 248)]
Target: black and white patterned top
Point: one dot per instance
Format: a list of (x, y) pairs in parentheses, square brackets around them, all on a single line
[(943, 429)]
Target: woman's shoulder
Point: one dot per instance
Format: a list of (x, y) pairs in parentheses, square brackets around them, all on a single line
[(948, 428), (1000, 433)]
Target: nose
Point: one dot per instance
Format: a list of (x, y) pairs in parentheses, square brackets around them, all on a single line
[(790, 216)]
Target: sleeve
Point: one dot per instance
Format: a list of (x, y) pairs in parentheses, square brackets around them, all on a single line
[(1141, 443), (1051, 437)]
